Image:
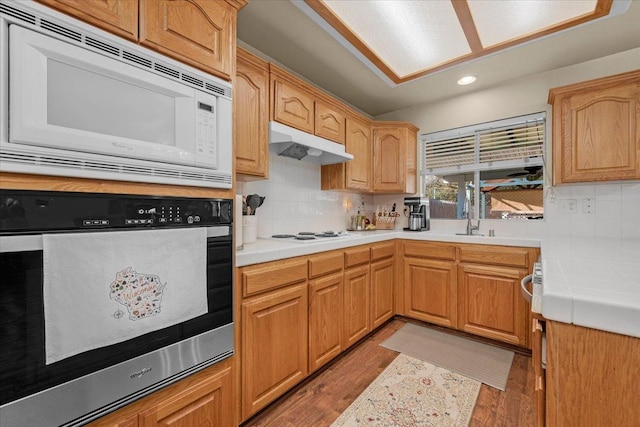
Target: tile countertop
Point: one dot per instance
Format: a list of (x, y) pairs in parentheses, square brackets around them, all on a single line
[(265, 250), (592, 282)]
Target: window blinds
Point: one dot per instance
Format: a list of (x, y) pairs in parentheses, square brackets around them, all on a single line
[(512, 142)]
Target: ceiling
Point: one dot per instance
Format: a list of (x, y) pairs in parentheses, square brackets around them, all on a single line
[(283, 32)]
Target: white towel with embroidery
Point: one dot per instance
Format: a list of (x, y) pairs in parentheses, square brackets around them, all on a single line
[(108, 287)]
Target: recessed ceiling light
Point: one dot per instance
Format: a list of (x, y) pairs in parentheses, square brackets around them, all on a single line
[(467, 80)]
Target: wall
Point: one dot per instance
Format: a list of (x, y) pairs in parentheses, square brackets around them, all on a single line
[(615, 203), (294, 201)]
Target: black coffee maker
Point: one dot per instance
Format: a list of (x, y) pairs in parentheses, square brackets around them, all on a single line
[(417, 210)]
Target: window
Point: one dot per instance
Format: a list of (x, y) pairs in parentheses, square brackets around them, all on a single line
[(491, 170)]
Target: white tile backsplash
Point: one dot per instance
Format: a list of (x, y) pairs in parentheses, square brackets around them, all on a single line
[(294, 202), (616, 207)]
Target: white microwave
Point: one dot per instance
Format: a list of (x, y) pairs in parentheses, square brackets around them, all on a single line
[(84, 103)]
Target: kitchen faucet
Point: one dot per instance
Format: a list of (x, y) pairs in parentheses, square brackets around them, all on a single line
[(467, 210)]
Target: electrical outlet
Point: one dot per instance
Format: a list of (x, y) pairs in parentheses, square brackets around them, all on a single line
[(588, 205), (567, 206)]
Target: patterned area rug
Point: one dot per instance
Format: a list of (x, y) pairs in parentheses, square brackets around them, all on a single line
[(410, 392)]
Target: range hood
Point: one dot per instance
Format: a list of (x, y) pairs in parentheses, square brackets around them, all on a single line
[(290, 142)]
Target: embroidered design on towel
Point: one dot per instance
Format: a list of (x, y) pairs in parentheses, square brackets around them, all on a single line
[(140, 293)]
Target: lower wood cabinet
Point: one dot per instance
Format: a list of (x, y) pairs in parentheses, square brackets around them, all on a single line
[(473, 288), (490, 303), (326, 295), (382, 291), (205, 403), (274, 345), (430, 291), (206, 398), (356, 304), (591, 377)]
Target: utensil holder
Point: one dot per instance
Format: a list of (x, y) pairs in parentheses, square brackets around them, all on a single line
[(384, 222), (249, 229)]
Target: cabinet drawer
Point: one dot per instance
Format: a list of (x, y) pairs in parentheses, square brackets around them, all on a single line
[(430, 250), (381, 251), (495, 255), (325, 264), (263, 277), (353, 257)]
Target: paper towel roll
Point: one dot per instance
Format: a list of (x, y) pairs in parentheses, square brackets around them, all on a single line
[(238, 221)]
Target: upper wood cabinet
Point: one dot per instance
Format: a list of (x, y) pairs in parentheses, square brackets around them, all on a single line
[(596, 129), (394, 157), (356, 174), (251, 121), (201, 33), (298, 104), (292, 105), (329, 121), (119, 17)]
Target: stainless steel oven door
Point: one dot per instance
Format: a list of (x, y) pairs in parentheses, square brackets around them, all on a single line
[(84, 387)]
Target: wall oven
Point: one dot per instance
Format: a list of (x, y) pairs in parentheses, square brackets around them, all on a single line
[(78, 343)]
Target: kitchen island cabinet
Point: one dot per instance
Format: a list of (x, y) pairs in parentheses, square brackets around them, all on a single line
[(596, 130)]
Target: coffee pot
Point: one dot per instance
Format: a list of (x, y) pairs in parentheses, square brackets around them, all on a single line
[(418, 213)]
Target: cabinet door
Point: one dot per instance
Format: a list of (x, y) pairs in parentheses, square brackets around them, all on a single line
[(251, 101), (274, 345), (388, 160), (597, 131), (490, 303), (207, 402), (119, 17), (356, 304), (325, 319), (329, 122), (293, 106), (200, 33), (358, 143), (382, 289), (430, 291)]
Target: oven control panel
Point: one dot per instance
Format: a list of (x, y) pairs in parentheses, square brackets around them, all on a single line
[(37, 211)]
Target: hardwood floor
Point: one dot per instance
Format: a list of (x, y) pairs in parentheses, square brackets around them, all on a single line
[(320, 399)]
